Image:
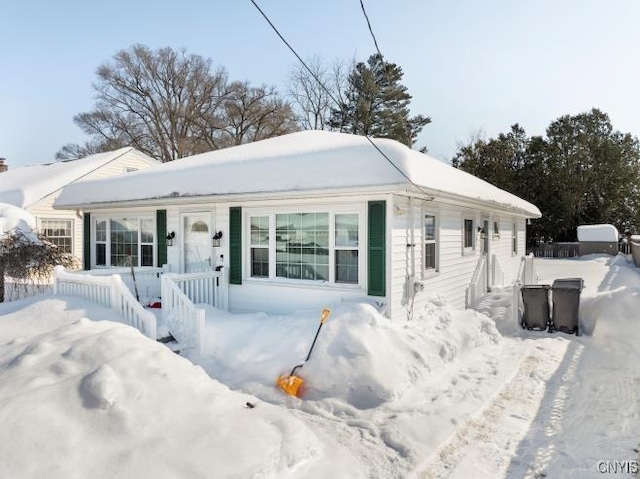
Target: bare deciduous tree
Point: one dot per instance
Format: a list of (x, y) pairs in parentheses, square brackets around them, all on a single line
[(170, 104), (311, 100)]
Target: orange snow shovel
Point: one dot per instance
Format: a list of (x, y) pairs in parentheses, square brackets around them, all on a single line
[(291, 383)]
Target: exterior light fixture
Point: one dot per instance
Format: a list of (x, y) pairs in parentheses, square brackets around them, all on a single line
[(215, 241), (170, 237)]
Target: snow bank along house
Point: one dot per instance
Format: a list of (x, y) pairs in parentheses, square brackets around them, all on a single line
[(307, 220), (35, 188)]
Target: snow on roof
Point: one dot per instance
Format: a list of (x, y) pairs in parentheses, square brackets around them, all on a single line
[(608, 233), (13, 217), (307, 160), (25, 186)]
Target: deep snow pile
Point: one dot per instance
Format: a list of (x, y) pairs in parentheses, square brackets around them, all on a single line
[(96, 398), (360, 358), (83, 398)]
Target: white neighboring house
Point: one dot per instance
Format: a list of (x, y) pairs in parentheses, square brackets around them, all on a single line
[(310, 219), (35, 188)]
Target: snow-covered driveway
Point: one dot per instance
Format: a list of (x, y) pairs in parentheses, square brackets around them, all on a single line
[(572, 407)]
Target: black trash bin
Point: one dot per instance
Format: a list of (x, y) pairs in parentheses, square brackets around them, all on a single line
[(565, 294), (535, 298)]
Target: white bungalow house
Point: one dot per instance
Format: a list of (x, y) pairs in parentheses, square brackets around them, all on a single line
[(35, 188), (308, 220)]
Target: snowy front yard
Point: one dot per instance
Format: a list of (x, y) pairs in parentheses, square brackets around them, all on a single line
[(450, 394)]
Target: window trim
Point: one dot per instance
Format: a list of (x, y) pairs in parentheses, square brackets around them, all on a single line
[(436, 240), (253, 246), (496, 230), (332, 211), (468, 249), (514, 238), (147, 216), (72, 230)]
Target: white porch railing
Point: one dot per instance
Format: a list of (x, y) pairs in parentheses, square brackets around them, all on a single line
[(109, 291), (526, 275), (497, 274), (181, 293), (478, 286), (147, 279)]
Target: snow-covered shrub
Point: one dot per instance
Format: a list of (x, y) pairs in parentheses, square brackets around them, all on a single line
[(27, 256)]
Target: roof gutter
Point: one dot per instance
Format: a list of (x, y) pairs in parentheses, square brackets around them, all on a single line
[(237, 197)]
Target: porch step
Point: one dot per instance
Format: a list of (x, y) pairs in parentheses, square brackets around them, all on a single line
[(170, 342), (167, 339)]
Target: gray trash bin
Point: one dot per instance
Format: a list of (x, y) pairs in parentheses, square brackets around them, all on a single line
[(565, 294), (536, 307)]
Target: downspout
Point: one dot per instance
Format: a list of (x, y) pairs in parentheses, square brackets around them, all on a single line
[(411, 279)]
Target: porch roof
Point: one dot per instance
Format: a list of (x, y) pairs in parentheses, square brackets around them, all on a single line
[(298, 162)]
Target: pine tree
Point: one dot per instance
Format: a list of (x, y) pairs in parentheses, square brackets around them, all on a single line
[(377, 104)]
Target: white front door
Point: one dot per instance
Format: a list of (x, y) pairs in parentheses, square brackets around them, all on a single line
[(196, 234)]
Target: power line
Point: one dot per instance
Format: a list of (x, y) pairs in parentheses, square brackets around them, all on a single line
[(404, 175), (375, 42), (385, 67)]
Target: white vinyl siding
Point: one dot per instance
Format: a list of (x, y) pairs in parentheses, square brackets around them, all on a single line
[(454, 270)]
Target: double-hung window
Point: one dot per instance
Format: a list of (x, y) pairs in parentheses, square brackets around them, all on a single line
[(346, 248), (59, 232), (124, 241), (430, 243), (321, 246), (496, 230), (259, 240), (514, 238), (468, 234)]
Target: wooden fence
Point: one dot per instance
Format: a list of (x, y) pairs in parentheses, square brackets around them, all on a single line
[(566, 250)]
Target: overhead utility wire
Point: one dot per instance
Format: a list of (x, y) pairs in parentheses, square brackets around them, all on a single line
[(375, 42), (329, 92), (384, 67)]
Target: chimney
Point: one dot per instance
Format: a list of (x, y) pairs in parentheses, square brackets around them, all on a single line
[(3, 167)]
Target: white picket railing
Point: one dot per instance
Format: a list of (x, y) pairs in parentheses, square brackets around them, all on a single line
[(180, 295), (109, 291), (182, 317), (147, 279), (478, 286), (207, 287)]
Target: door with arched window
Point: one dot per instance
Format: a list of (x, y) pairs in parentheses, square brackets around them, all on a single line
[(196, 243)]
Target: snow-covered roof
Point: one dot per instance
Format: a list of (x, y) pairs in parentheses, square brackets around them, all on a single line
[(14, 217), (25, 186), (606, 233), (303, 161)]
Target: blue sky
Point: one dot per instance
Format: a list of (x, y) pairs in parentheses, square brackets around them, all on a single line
[(469, 65)]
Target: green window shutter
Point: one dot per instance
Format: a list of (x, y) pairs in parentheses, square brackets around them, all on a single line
[(86, 242), (376, 257), (161, 234), (235, 245)]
